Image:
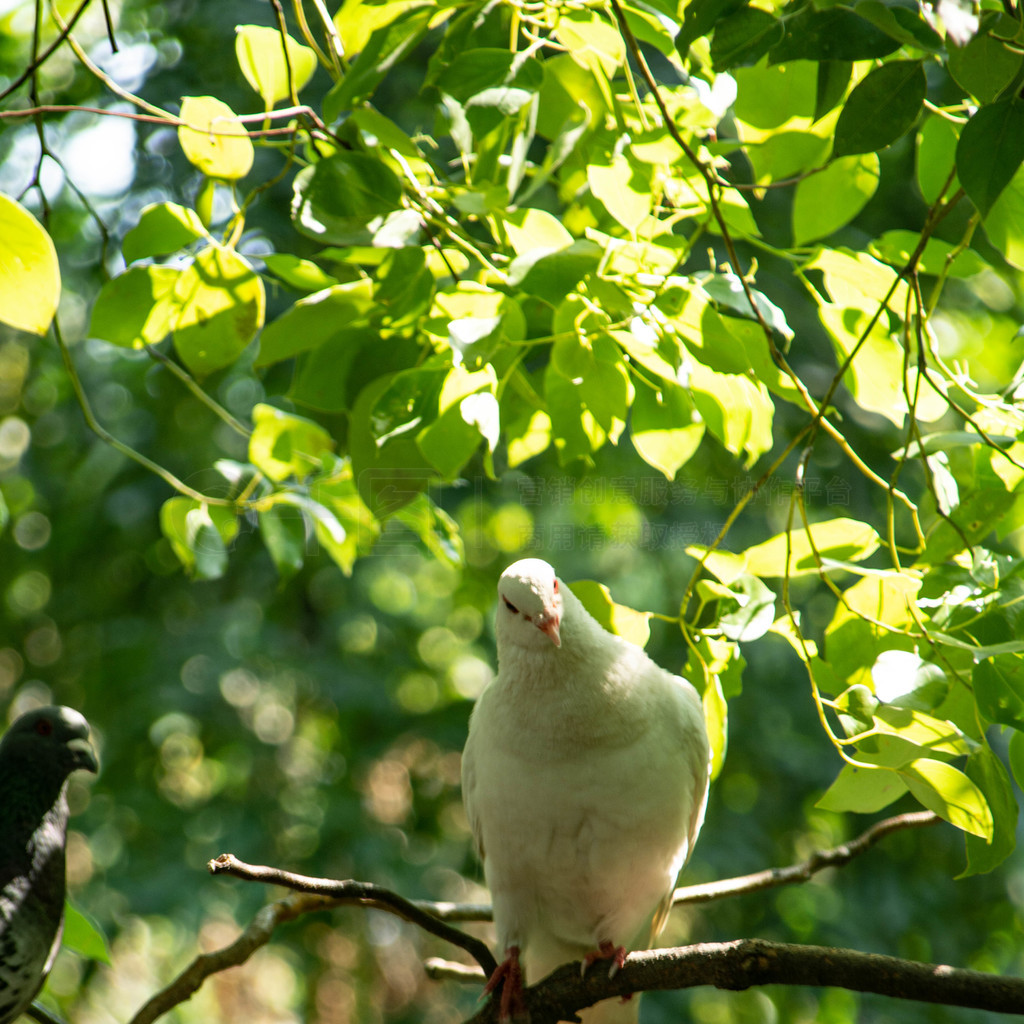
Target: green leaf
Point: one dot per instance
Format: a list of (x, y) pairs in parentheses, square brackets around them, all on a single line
[(83, 935), (552, 276), (987, 64), (950, 794), (163, 228), (845, 540), (999, 689), (198, 534), (622, 189), (346, 198), (136, 308), (303, 275), (1016, 754), (700, 17), (896, 247), (1004, 223), (29, 272), (989, 774), (836, 33), (630, 624), (261, 56), (220, 307), (283, 445), (596, 371), (833, 78), (901, 23), (905, 680), (283, 530), (213, 139), (744, 37), (862, 790), (881, 108), (936, 158), (735, 409), (664, 427), (390, 470), (754, 612), (990, 151), (385, 49), (768, 96), (828, 201), (314, 320), (467, 412), (973, 519)]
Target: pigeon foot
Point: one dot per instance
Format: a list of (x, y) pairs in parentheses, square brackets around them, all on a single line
[(605, 951), (509, 976)]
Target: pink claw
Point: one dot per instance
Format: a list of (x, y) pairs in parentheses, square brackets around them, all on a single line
[(606, 951), (509, 975)]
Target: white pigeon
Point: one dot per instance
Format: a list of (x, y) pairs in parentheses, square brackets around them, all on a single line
[(585, 779)]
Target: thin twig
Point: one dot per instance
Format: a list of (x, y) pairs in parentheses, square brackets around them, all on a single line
[(364, 894)]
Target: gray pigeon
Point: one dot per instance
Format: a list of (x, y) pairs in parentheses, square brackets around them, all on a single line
[(37, 754)]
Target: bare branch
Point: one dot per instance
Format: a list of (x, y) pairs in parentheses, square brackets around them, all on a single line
[(364, 894), (835, 857), (738, 965)]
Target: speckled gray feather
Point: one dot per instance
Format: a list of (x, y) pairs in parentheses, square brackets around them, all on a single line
[(37, 754)]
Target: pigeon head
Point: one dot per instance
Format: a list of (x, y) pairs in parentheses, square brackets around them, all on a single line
[(529, 604), (55, 737)]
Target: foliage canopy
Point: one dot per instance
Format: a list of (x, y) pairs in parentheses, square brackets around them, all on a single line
[(587, 242)]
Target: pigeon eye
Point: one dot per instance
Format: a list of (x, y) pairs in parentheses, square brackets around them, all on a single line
[(556, 584), (44, 727), (510, 606)]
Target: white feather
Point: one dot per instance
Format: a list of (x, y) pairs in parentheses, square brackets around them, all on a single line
[(584, 778)]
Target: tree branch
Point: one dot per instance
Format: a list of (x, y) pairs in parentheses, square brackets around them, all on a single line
[(364, 894), (744, 963), (836, 857)]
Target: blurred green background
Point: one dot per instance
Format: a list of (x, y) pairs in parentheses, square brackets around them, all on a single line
[(316, 724)]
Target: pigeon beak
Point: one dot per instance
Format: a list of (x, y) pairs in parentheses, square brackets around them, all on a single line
[(547, 623), (84, 755)]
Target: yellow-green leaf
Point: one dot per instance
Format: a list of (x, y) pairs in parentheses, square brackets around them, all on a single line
[(29, 272), (950, 794), (284, 445), (665, 428), (620, 619), (862, 790), (221, 305), (846, 540), (213, 138), (261, 56)]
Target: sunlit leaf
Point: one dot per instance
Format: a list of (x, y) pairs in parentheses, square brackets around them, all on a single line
[(664, 428), (84, 935), (862, 790), (846, 540), (829, 200), (626, 622), (163, 228), (213, 138), (220, 307), (284, 445), (314, 320), (29, 272), (261, 56), (136, 308), (950, 794)]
